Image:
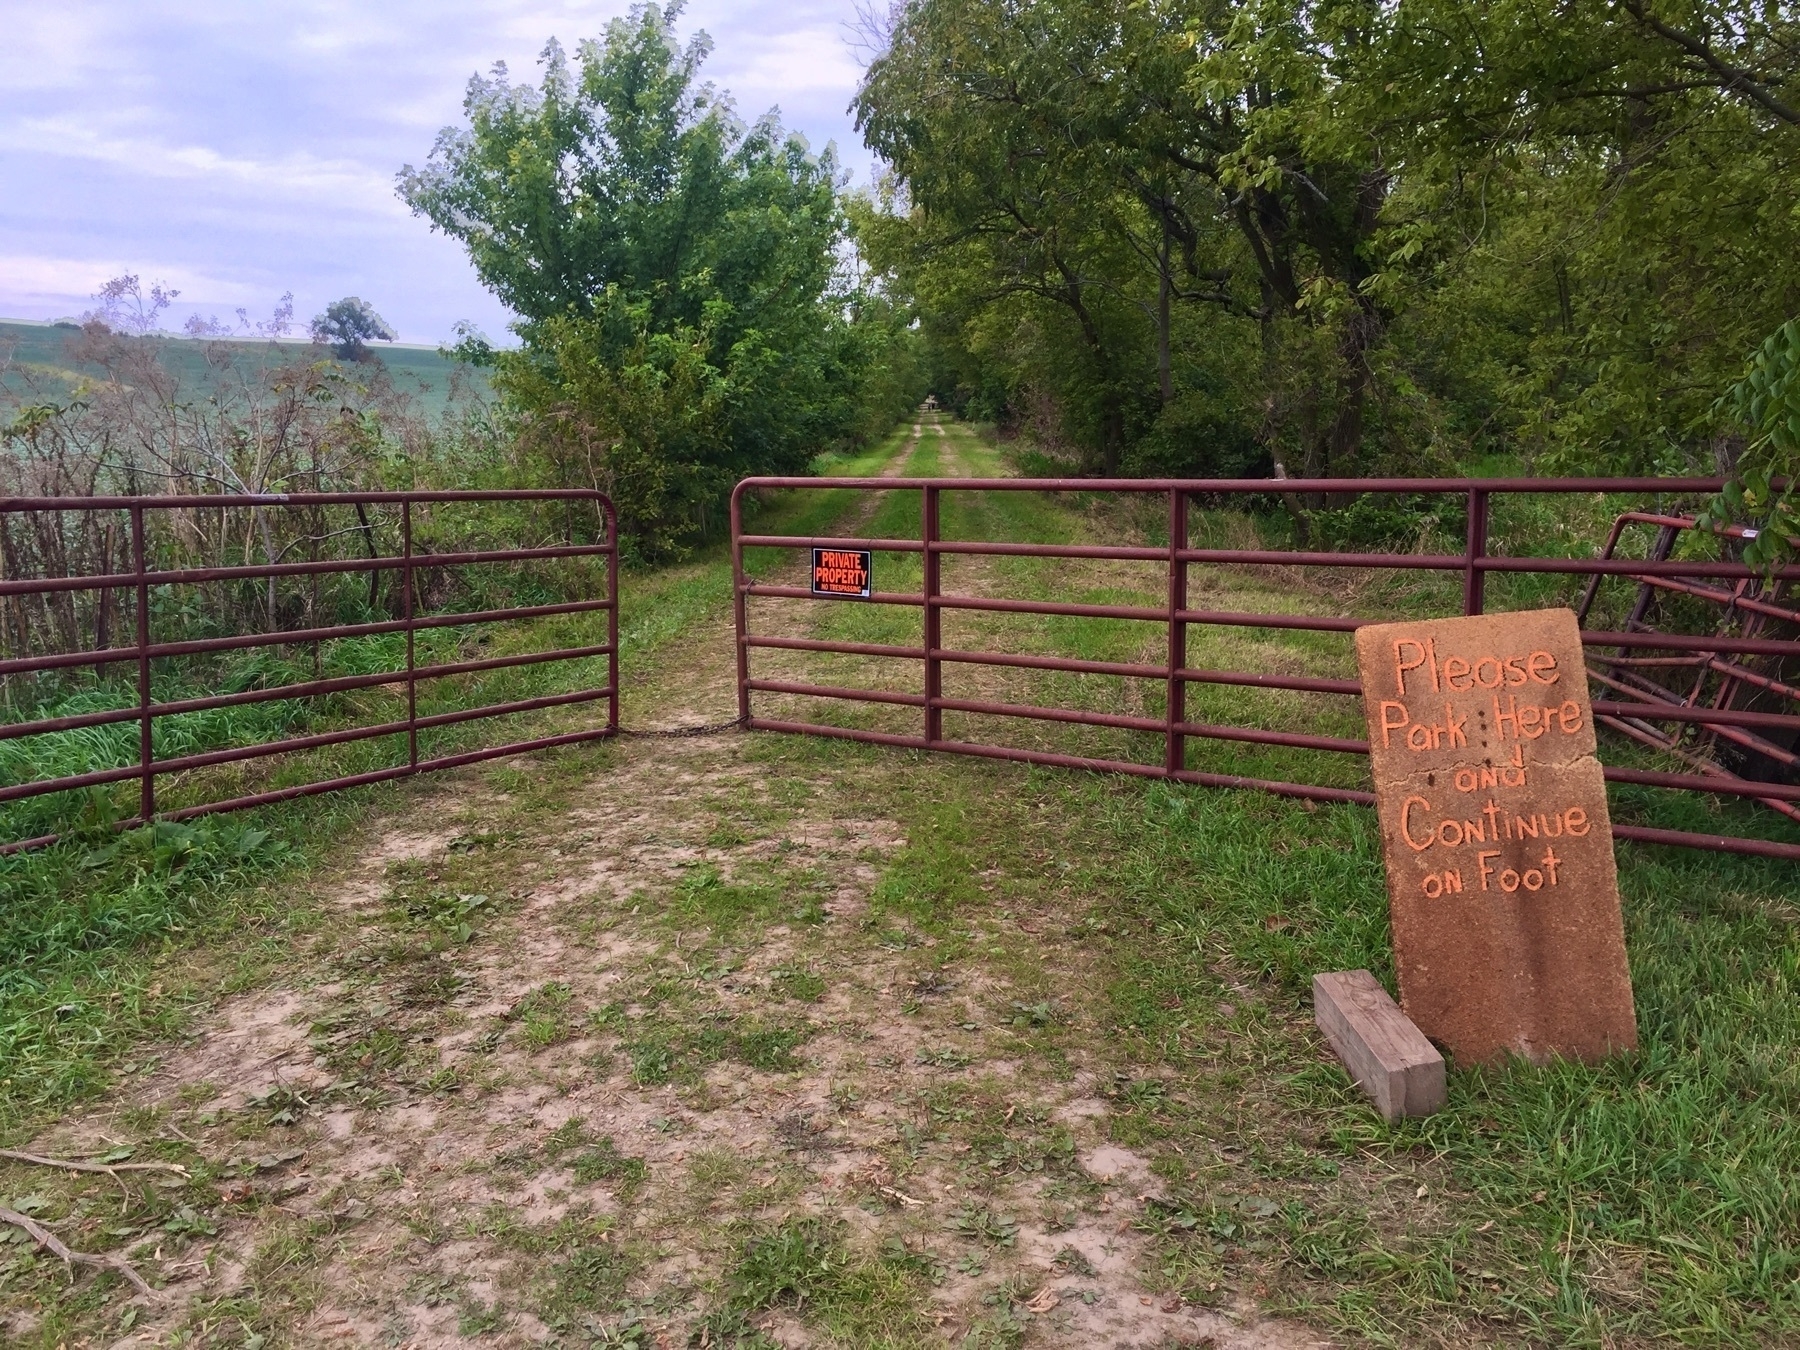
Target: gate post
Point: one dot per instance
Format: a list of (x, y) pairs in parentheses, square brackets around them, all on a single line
[(147, 783), (1474, 579), (740, 603), (934, 675), (1175, 744), (412, 679), (610, 521)]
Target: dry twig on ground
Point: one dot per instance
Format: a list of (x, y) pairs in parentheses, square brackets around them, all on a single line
[(111, 1169), (57, 1247)]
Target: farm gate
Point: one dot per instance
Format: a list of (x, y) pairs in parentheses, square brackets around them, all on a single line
[(1705, 685), (86, 582)]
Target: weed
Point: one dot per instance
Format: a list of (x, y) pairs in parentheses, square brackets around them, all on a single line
[(804, 1263), (799, 984), (980, 1224), (283, 1104), (1035, 1015), (451, 913), (475, 1319), (945, 1057), (661, 1052), (706, 896), (604, 1162), (591, 1278), (1071, 1261)]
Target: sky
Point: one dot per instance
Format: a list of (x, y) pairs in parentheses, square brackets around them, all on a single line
[(238, 149)]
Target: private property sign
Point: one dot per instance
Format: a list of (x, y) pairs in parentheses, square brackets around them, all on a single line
[(1501, 886), (841, 572)]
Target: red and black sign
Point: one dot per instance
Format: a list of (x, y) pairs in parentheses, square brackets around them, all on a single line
[(841, 571)]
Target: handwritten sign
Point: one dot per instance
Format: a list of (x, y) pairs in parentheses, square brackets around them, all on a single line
[(1502, 891), (841, 571)]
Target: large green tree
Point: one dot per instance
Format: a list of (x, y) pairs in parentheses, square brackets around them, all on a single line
[(679, 275)]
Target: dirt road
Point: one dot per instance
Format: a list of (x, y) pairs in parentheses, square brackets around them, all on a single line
[(701, 1041)]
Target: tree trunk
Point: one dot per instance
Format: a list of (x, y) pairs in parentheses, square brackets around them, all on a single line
[(1165, 370)]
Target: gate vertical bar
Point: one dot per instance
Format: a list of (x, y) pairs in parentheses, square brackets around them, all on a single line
[(611, 522), (1175, 746), (406, 612), (740, 605), (1474, 579), (934, 674), (147, 783)]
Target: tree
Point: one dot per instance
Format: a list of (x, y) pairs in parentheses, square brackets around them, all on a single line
[(1386, 234), (349, 325), (679, 275), (1764, 492), (125, 307), (1122, 160), (1031, 226)]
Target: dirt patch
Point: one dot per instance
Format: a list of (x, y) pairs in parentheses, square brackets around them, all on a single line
[(574, 1046)]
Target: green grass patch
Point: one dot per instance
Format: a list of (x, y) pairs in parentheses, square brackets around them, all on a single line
[(808, 1265), (666, 1049)]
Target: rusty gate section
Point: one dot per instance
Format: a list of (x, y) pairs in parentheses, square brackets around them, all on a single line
[(1710, 684), (407, 574)]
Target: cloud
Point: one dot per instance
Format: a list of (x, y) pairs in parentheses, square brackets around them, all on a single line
[(50, 47), (806, 61), (238, 150), (301, 174), (72, 281)]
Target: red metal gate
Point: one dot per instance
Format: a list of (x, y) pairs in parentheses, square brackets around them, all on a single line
[(130, 592), (1752, 649)]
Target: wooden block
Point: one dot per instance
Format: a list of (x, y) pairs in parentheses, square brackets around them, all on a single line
[(1387, 1056)]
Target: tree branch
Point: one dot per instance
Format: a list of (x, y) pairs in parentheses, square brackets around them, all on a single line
[(111, 1169), (1735, 78), (56, 1247)]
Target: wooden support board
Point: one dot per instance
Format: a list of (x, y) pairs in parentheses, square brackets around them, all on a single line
[(1386, 1055)]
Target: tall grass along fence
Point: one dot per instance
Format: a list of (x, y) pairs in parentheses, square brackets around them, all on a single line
[(171, 656), (979, 632)]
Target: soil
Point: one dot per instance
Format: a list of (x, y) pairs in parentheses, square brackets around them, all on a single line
[(393, 1137)]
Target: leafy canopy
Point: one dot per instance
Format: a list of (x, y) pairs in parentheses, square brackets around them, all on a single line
[(1362, 235), (678, 273)]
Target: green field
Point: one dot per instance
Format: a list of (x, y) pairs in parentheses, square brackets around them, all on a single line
[(42, 350)]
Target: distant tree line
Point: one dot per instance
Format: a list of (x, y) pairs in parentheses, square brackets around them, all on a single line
[(123, 306)]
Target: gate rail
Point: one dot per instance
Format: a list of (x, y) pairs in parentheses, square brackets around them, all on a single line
[(1646, 706), (409, 564)]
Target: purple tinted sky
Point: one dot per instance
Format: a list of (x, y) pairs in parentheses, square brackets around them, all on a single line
[(238, 150)]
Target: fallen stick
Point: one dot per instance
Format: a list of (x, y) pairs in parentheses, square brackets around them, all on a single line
[(56, 1247), (111, 1169)]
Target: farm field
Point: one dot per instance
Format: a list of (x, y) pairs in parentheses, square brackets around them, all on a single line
[(732, 1039), (424, 374)]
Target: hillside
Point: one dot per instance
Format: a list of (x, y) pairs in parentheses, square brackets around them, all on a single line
[(421, 372)]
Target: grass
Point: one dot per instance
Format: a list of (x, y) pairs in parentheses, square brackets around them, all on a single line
[(856, 1298), (1675, 1164), (92, 930), (423, 372), (1045, 936)]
